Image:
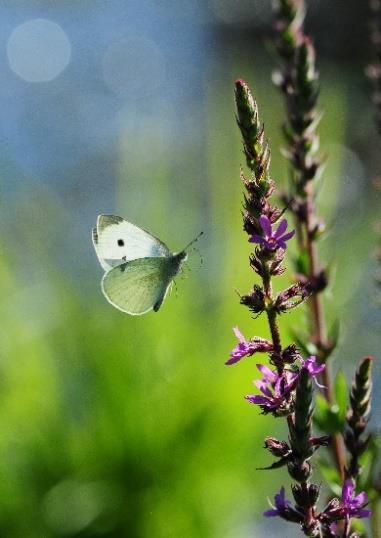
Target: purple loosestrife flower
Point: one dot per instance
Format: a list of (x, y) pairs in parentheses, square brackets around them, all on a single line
[(281, 503), (247, 347), (284, 509), (313, 368), (272, 241), (350, 506), (353, 505), (275, 388)]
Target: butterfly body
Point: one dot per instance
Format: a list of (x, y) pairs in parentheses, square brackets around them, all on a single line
[(139, 267)]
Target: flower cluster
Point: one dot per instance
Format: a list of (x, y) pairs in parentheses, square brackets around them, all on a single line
[(350, 506), (288, 382), (276, 390)]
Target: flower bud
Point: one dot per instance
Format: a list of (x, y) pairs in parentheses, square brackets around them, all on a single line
[(280, 449), (299, 471), (255, 301)]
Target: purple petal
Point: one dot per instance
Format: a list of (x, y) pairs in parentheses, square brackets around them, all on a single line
[(233, 359), (271, 513), (268, 374), (364, 513), (265, 225), (258, 400), (286, 237), (347, 493), (313, 368), (263, 388), (257, 239), (280, 498), (238, 334), (360, 499), (281, 229), (291, 377)]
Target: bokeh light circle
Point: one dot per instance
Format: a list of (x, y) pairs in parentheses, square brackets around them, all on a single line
[(133, 67), (38, 50)]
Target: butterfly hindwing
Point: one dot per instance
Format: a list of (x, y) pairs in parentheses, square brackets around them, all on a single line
[(140, 285), (117, 240)]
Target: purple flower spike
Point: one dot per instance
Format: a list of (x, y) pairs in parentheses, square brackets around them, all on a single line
[(353, 505), (247, 347), (313, 368), (271, 241), (275, 389)]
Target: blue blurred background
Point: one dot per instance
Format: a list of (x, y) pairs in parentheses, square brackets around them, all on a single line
[(133, 427)]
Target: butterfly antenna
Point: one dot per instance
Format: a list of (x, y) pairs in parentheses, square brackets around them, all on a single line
[(199, 254), (193, 241)]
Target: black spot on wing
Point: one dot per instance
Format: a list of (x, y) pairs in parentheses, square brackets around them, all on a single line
[(120, 243), (95, 236), (107, 220)]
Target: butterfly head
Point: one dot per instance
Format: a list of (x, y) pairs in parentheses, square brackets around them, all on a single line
[(182, 256)]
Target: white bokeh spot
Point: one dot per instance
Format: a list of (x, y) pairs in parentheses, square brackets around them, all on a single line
[(38, 50)]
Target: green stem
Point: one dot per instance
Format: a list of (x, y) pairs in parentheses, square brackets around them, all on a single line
[(272, 319)]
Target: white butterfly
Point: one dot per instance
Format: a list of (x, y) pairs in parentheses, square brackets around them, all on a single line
[(139, 267)]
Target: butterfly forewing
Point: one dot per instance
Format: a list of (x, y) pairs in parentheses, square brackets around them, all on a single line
[(140, 285), (117, 240)]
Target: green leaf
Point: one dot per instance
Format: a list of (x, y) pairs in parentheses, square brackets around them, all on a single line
[(331, 476), (302, 262), (329, 419)]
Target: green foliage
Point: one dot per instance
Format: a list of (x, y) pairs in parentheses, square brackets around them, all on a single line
[(331, 419), (121, 427), (331, 476)]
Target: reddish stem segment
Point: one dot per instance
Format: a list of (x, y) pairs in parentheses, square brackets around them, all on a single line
[(319, 328)]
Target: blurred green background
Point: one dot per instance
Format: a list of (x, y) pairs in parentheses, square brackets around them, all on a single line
[(115, 426)]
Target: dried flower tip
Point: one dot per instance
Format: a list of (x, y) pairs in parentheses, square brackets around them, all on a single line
[(314, 284), (255, 301), (290, 354)]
